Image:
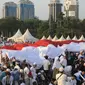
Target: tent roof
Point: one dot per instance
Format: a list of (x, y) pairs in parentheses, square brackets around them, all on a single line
[(55, 38), (27, 37), (62, 38), (49, 37), (43, 38), (75, 38), (82, 38), (17, 34), (68, 38)]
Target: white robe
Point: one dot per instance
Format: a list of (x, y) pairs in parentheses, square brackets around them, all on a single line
[(63, 61), (4, 80), (56, 64), (68, 70), (33, 70), (22, 84), (62, 79), (71, 82)]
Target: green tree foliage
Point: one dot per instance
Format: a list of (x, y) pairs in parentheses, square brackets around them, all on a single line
[(62, 26), (43, 29)]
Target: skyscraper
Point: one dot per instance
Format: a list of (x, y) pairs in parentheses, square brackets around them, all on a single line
[(9, 9), (25, 10), (55, 7), (71, 8)]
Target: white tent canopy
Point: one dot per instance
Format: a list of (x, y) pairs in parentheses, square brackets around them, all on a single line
[(49, 37), (55, 38), (17, 34), (26, 37), (61, 38), (75, 38), (43, 38), (68, 38), (82, 38)]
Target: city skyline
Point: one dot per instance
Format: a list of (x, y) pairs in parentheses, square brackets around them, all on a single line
[(71, 8), (9, 9), (55, 8), (42, 9), (25, 10)]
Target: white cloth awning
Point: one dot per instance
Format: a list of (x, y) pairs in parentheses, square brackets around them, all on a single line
[(55, 38), (68, 38), (49, 38), (26, 37), (61, 38), (43, 38), (82, 38), (75, 38), (17, 34)]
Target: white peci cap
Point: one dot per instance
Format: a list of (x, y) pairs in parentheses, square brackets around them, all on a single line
[(21, 71), (61, 69), (8, 70)]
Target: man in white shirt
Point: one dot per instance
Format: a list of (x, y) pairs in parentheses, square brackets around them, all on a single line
[(33, 70), (17, 66), (56, 66), (81, 54), (22, 84), (8, 79), (46, 66), (56, 63), (63, 61), (80, 77), (61, 78), (26, 72)]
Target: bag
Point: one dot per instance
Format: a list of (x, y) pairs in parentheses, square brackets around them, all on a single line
[(30, 74), (56, 82)]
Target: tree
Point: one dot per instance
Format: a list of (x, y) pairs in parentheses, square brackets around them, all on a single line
[(38, 28)]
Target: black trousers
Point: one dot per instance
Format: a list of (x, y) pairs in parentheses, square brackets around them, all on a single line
[(46, 72), (0, 83)]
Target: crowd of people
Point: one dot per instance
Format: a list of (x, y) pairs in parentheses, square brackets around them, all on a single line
[(66, 69)]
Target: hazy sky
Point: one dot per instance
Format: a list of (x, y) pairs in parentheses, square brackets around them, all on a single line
[(42, 10)]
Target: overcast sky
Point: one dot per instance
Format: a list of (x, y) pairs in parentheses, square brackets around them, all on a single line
[(42, 10)]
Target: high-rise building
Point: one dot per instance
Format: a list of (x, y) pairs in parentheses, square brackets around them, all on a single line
[(71, 8), (25, 10), (9, 9), (55, 8)]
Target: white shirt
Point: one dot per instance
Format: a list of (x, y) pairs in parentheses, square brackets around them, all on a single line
[(63, 61), (10, 80), (74, 82), (50, 84), (26, 72), (56, 64), (46, 64), (33, 70), (71, 82), (62, 79), (77, 74), (80, 56), (22, 84), (17, 67)]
